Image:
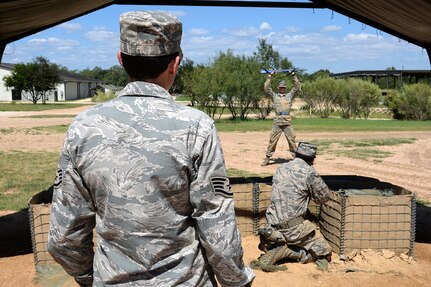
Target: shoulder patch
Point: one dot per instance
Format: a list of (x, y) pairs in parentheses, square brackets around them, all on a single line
[(221, 186), (58, 179)]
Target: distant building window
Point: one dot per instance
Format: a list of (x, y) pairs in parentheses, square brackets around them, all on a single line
[(16, 95)]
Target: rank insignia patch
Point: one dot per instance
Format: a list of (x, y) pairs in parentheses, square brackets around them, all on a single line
[(58, 179), (221, 186)]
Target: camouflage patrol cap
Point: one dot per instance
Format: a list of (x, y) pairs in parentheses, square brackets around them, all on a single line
[(150, 33), (307, 149), (282, 84)]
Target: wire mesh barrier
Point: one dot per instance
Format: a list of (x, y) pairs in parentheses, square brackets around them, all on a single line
[(365, 219), (252, 196), (39, 209), (347, 221), (352, 221)]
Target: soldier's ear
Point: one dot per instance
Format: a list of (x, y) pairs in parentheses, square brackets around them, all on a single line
[(174, 65), (120, 60)]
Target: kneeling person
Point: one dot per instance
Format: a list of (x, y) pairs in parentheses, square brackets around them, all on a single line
[(288, 232)]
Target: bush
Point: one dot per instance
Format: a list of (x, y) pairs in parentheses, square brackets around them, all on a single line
[(412, 103), (103, 97), (320, 95), (356, 98)]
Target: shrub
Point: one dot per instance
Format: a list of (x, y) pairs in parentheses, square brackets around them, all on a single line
[(103, 97), (356, 98), (412, 103), (320, 95)]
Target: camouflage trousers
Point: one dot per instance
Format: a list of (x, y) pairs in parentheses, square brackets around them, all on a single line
[(276, 131), (302, 243), (308, 237)]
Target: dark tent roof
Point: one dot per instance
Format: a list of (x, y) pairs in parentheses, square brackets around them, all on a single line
[(408, 20)]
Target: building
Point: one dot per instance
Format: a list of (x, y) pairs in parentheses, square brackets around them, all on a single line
[(72, 87), (389, 79)]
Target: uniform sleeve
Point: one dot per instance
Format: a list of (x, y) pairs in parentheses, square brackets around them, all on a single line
[(296, 88), (214, 215), (320, 192), (267, 87), (72, 222), (296, 84)]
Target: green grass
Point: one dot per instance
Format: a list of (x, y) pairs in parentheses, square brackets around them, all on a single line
[(377, 142), (27, 131), (423, 202), (23, 174), (6, 131), (364, 154), (374, 115), (28, 107), (49, 116), (58, 129), (324, 125), (363, 149), (37, 130), (233, 172)]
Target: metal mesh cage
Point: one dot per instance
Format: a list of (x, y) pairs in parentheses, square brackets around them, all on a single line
[(39, 209), (249, 194), (363, 221), (347, 222)]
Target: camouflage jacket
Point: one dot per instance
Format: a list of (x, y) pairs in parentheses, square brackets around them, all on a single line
[(282, 102), (149, 176), (294, 183)]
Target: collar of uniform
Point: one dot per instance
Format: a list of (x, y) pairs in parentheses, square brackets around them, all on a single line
[(139, 88)]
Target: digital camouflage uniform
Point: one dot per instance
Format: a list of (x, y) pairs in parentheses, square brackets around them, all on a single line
[(282, 120), (148, 175), (294, 184)]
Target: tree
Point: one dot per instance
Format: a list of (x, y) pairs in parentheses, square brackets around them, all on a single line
[(267, 56), (369, 98), (321, 95), (36, 78), (413, 103), (185, 68), (357, 98), (201, 85), (97, 73), (116, 75), (237, 78), (319, 74)]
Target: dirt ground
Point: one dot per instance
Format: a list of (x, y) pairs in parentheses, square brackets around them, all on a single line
[(408, 167)]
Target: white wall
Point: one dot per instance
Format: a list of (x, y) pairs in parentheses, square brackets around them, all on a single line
[(71, 91), (5, 95), (65, 91), (61, 92)]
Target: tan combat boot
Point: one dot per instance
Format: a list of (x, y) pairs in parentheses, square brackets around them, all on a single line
[(265, 162)]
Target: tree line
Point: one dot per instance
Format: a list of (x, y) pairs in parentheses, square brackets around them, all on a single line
[(234, 83)]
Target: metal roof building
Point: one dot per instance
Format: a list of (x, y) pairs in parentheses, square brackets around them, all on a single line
[(399, 77)]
